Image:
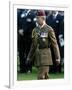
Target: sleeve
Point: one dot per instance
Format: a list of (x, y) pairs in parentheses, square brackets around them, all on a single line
[(33, 47), (54, 44)]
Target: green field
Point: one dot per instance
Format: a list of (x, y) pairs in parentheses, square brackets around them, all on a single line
[(33, 75)]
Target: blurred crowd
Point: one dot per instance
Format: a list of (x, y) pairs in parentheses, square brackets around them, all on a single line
[(26, 21)]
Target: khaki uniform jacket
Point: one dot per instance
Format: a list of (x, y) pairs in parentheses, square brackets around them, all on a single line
[(40, 50)]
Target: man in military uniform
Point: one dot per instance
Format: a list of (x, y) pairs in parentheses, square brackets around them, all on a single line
[(42, 36)]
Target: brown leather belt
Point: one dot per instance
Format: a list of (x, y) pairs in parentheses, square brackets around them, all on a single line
[(43, 47)]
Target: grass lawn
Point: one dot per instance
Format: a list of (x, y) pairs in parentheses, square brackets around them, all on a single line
[(33, 75)]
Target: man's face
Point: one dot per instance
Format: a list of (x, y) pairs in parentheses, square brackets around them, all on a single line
[(39, 20)]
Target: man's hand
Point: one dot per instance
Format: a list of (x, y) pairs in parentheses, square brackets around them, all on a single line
[(21, 32), (57, 61)]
